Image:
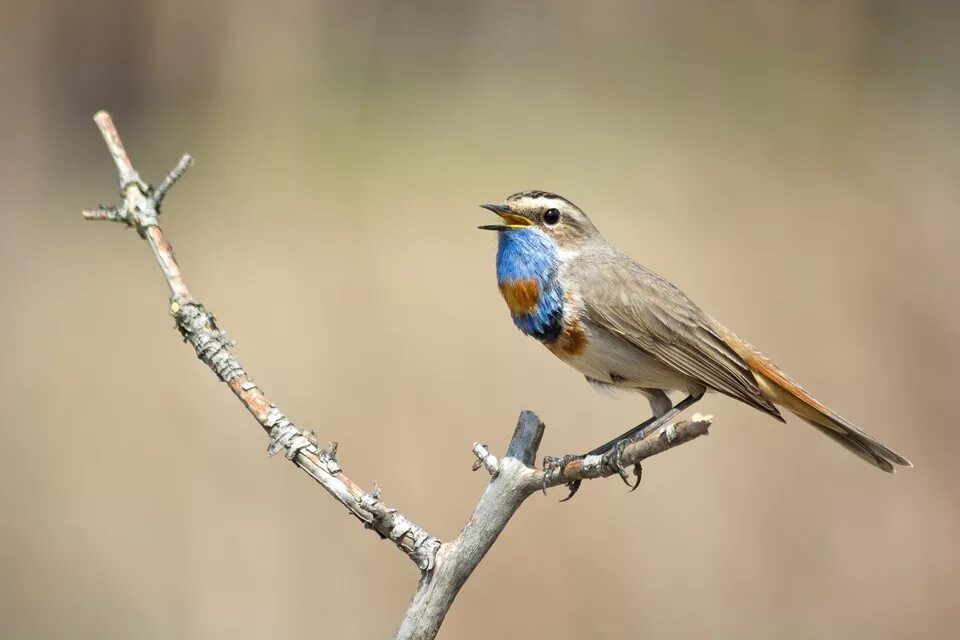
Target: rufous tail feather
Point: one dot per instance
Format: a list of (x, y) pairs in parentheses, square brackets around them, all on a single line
[(778, 388)]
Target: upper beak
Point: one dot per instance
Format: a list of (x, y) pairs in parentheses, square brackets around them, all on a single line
[(513, 220)]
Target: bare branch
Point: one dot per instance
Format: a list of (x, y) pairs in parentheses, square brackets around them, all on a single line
[(485, 459), (445, 567), (171, 178), (110, 214), (592, 467), (199, 328), (513, 480), (509, 487)]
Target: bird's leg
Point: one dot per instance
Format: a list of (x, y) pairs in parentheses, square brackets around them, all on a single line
[(614, 449), (663, 410), (660, 405)]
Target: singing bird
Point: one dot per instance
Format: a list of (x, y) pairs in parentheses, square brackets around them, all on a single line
[(626, 327)]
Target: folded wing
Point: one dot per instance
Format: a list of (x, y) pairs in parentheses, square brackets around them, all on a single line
[(656, 317)]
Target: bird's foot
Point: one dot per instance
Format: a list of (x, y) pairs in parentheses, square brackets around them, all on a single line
[(613, 461), (558, 464)]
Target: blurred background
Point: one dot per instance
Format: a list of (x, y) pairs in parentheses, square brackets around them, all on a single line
[(792, 165)]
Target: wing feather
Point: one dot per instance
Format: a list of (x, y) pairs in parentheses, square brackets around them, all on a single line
[(655, 316)]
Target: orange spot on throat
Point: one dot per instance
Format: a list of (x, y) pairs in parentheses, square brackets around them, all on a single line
[(522, 296)]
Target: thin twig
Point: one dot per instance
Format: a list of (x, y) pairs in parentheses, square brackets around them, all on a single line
[(171, 178)]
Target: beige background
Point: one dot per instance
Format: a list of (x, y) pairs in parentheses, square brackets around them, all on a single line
[(793, 166)]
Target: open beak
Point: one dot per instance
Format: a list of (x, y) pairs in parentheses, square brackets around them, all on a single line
[(512, 220)]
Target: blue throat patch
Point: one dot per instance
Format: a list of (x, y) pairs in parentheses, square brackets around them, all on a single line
[(527, 255)]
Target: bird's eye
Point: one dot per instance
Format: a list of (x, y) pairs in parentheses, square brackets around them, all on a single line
[(551, 217)]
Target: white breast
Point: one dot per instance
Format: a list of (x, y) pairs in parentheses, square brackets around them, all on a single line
[(609, 358)]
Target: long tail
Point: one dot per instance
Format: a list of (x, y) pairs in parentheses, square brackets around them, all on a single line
[(778, 388)]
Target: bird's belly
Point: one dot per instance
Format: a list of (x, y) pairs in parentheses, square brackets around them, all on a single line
[(611, 359)]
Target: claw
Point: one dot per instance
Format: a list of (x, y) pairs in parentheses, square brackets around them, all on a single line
[(573, 487), (552, 463), (638, 473), (613, 461)]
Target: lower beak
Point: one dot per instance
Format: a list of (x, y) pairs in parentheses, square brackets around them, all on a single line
[(512, 220)]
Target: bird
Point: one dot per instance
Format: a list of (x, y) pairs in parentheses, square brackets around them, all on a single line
[(625, 327)]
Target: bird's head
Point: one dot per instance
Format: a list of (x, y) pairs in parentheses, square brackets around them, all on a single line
[(540, 212)]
